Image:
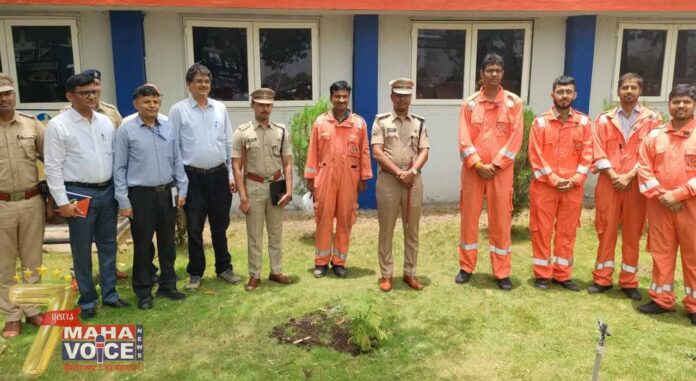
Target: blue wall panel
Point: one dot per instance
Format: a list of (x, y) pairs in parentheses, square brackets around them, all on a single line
[(128, 45), (579, 55)]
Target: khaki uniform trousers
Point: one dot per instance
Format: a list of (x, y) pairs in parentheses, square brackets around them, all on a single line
[(21, 235), (262, 211), (392, 199)]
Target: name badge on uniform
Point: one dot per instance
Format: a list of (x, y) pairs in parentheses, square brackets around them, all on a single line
[(391, 129), (251, 140)]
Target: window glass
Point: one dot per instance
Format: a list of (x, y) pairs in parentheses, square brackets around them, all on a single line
[(224, 52), (685, 60), (440, 64), (509, 44), (286, 62), (643, 52), (44, 61)]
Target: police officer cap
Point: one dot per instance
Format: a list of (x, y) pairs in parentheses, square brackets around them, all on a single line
[(402, 86), (94, 73), (263, 95), (6, 83)]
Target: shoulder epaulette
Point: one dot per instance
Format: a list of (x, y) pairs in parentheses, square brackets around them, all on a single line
[(26, 115), (279, 125), (382, 115), (244, 126), (422, 119), (602, 118), (359, 125), (512, 98), (584, 119), (471, 100), (655, 131), (540, 121), (104, 104)]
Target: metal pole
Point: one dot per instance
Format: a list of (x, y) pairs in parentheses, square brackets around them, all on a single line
[(603, 333)]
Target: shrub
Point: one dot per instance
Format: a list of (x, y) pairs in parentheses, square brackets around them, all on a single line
[(366, 330), (300, 130), (523, 170)]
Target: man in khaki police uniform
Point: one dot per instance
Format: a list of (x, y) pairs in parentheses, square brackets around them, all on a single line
[(261, 154), (21, 207), (400, 146)]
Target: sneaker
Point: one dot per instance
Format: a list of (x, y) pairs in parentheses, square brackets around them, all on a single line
[(632, 293), (229, 276), (462, 277), (194, 283), (504, 284), (598, 288), (170, 294), (652, 308), (340, 271), (541, 283), (567, 284), (320, 271)]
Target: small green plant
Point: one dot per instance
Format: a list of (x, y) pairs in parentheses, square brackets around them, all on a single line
[(300, 130), (366, 330), (523, 170)]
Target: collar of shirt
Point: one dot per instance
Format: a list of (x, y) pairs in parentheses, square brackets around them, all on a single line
[(684, 131), (636, 110), (395, 117), (499, 97), (557, 116), (349, 114), (76, 116), (193, 103), (155, 129), (9, 122), (259, 125)]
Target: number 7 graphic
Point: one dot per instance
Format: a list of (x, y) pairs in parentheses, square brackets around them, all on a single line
[(57, 297)]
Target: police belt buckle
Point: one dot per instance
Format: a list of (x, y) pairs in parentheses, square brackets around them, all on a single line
[(17, 196), (160, 188), (269, 179)]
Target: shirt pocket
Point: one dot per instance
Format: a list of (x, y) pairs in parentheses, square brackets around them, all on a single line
[(352, 146), (690, 157), (27, 143)]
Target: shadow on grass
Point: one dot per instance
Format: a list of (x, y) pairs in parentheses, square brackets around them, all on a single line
[(399, 285), (488, 282), (582, 285), (353, 272), (519, 233), (307, 239)]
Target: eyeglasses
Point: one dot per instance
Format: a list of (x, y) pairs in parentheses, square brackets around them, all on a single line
[(564, 92), (87, 93)]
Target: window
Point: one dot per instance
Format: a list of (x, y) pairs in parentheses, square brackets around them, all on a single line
[(447, 57), (664, 55), (244, 56), (40, 55)]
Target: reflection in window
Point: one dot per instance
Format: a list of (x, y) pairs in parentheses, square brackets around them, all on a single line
[(643, 52), (286, 62), (440, 65), (44, 61), (224, 52), (685, 61), (509, 44)]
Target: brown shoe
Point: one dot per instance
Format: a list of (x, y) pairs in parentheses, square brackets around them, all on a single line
[(412, 282), (35, 320), (12, 329), (279, 278), (385, 284), (121, 275), (253, 284)]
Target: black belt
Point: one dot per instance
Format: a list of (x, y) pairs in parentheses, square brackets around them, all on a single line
[(206, 171), (88, 185), (158, 188)]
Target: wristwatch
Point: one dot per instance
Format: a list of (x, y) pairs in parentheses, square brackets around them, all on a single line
[(415, 171)]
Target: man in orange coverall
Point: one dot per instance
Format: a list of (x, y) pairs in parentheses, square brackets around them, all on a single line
[(560, 151), (616, 138), (667, 177), (338, 165), (490, 135)]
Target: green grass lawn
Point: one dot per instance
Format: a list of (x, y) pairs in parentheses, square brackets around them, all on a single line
[(447, 331)]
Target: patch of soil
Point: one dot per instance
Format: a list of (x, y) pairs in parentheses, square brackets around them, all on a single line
[(317, 329)]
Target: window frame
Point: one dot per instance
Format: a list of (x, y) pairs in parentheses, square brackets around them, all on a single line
[(7, 53), (254, 53), (669, 60), (469, 75)]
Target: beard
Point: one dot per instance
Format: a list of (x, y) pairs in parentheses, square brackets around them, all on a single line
[(559, 106)]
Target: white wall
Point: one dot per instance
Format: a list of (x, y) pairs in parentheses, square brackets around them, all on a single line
[(441, 173), (94, 29)]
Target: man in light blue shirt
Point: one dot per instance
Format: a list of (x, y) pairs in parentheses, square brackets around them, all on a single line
[(205, 137), (150, 184)]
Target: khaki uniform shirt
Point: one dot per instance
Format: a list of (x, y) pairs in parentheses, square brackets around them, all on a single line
[(263, 147), (109, 110), (21, 143), (402, 138)]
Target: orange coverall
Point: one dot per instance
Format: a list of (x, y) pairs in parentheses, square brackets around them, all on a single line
[(557, 151), (668, 162), (338, 157), (613, 207), (489, 132)]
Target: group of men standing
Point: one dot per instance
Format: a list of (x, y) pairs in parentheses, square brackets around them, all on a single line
[(148, 165)]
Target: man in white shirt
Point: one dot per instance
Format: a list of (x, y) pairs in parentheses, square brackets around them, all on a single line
[(79, 159)]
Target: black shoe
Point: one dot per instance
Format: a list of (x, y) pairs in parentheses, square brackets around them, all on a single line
[(567, 284), (88, 313), (340, 271), (320, 271), (652, 308), (118, 303), (504, 284), (541, 283), (462, 277), (170, 294), (598, 288), (632, 293), (692, 317), (145, 303)]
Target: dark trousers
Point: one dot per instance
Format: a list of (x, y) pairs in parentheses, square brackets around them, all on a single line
[(153, 213), (208, 196), (99, 226)]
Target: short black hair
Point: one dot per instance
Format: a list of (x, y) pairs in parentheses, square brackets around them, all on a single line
[(492, 59), (629, 76), (339, 85), (563, 80), (197, 68), (77, 80), (683, 90), (145, 91)]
